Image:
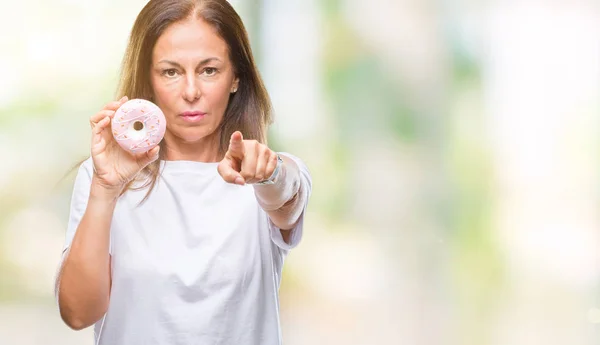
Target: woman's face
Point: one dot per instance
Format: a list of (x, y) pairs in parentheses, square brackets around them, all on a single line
[(192, 78)]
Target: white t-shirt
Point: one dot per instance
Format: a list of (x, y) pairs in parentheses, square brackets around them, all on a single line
[(199, 262)]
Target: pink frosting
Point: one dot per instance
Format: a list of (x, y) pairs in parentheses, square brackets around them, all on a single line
[(130, 117)]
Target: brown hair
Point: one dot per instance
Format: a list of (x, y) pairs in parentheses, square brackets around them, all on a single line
[(249, 109)]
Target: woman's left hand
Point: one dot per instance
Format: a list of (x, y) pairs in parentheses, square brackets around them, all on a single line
[(246, 161)]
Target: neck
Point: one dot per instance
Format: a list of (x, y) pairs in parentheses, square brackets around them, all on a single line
[(203, 150)]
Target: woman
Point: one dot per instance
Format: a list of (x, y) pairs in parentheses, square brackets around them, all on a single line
[(184, 244)]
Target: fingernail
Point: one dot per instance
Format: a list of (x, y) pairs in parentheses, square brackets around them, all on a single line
[(239, 180)]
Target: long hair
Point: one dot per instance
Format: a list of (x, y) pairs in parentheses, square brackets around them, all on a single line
[(249, 109)]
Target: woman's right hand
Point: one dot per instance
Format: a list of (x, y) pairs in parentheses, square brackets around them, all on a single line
[(113, 166)]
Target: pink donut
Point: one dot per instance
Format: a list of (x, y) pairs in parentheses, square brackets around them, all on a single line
[(138, 125)]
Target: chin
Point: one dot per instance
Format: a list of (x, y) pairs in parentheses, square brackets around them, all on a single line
[(193, 135)]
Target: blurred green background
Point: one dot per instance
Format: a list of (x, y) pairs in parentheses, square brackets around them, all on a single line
[(453, 147)]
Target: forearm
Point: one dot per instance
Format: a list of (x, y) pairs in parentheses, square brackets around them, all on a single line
[(84, 281), (284, 200)]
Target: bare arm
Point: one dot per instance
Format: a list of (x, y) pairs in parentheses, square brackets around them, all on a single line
[(84, 281), (83, 284)]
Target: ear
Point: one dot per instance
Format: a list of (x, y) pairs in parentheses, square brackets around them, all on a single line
[(235, 85)]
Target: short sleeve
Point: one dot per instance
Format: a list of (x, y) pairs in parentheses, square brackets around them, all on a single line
[(305, 189), (79, 200)]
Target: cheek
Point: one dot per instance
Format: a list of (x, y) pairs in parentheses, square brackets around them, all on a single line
[(218, 97), (165, 91), (165, 96)]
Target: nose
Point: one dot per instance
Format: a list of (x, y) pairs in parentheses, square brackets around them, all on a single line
[(191, 92)]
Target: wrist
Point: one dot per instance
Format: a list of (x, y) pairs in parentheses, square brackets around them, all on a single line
[(100, 190), (286, 185), (275, 176)]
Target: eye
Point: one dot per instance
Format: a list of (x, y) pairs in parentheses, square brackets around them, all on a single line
[(170, 73), (210, 71)]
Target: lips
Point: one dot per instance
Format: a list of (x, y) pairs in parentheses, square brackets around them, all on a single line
[(192, 116)]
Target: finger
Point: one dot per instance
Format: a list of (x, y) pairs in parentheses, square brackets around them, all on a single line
[(236, 146), (101, 115), (249, 163), (100, 126), (262, 163), (145, 158), (271, 165), (116, 104), (98, 146), (98, 140), (152, 154), (229, 174)]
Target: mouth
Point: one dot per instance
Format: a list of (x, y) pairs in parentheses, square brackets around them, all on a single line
[(192, 116)]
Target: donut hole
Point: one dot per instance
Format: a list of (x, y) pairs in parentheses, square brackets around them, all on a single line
[(138, 125)]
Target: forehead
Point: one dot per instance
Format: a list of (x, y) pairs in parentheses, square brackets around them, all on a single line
[(190, 39)]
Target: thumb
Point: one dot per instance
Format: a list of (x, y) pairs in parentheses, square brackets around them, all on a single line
[(229, 174), (148, 157), (236, 145)]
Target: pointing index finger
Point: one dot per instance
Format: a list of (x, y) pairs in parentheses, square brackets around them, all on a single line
[(236, 145)]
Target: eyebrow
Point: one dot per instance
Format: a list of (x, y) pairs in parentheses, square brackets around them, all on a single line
[(203, 62)]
